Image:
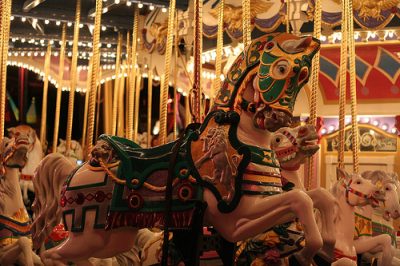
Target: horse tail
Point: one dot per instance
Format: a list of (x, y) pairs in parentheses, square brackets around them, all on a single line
[(48, 180)]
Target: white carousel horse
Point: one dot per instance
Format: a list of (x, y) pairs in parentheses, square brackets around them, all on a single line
[(15, 245), (366, 240), (292, 147), (272, 75), (75, 153), (34, 156)]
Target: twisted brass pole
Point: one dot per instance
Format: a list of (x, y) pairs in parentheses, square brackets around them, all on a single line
[(218, 57), (94, 74), (195, 94), (176, 52), (149, 105), (137, 101), (246, 22), (60, 86), (85, 113), (314, 86), (5, 33), (74, 77), (167, 70), (130, 132), (116, 84), (43, 121)]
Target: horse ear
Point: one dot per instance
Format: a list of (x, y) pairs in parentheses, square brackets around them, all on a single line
[(11, 131), (341, 174)]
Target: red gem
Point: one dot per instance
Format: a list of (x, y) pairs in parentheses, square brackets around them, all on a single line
[(80, 199), (270, 45), (100, 196), (63, 201)]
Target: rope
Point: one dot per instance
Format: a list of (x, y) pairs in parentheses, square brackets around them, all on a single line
[(43, 121), (74, 77), (314, 86), (94, 75), (149, 105), (116, 85), (246, 23), (165, 83), (60, 85), (5, 34), (130, 132), (195, 93), (342, 86), (353, 88), (218, 58)]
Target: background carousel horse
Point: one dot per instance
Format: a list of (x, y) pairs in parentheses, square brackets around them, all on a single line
[(256, 98), (389, 209), (75, 153), (15, 245), (34, 156)]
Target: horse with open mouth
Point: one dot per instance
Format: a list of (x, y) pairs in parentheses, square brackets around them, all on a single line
[(124, 187)]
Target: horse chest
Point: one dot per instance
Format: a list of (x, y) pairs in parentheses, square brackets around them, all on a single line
[(11, 228), (86, 191)]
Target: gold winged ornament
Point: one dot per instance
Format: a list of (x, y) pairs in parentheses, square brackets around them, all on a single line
[(372, 8), (233, 15), (159, 32)]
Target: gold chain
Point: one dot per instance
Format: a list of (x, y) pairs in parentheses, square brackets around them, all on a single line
[(167, 70), (218, 58), (314, 86), (74, 77), (246, 22), (60, 86), (43, 121), (94, 75)]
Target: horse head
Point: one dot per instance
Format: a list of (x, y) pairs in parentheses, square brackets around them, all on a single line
[(24, 133), (13, 153), (266, 78), (390, 188), (293, 145), (102, 152), (358, 191)]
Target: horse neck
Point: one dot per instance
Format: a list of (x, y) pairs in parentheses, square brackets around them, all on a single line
[(345, 224), (293, 177), (11, 197), (34, 158), (250, 135), (366, 211)]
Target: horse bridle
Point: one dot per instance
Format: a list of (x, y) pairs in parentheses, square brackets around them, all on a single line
[(349, 190)]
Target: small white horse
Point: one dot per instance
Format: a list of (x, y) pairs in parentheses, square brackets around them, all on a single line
[(34, 156), (389, 209), (75, 154), (15, 243)]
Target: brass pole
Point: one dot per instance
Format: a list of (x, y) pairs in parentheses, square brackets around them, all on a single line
[(95, 73), (85, 113), (121, 106), (74, 77), (137, 101), (60, 86), (116, 85), (218, 58), (99, 87), (5, 33), (43, 121), (246, 22), (149, 105), (130, 132), (107, 106), (196, 93)]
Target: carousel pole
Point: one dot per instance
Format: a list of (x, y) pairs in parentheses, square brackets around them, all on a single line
[(137, 102), (314, 86), (176, 77), (165, 77), (196, 93), (121, 103), (246, 22), (45, 92), (74, 77), (116, 85), (353, 84), (288, 16), (94, 75), (5, 33), (342, 87), (218, 58), (85, 113), (130, 132), (59, 89), (149, 105)]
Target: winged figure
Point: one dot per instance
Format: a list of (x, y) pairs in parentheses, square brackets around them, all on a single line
[(159, 32), (373, 8), (233, 15)]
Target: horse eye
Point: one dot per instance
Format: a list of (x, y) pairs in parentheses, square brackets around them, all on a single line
[(282, 69), (278, 140), (387, 188), (358, 182)]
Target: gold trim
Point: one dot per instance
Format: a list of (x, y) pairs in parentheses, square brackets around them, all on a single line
[(261, 178)]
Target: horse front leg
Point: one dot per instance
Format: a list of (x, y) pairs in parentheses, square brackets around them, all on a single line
[(256, 214), (19, 251), (327, 205), (381, 243)]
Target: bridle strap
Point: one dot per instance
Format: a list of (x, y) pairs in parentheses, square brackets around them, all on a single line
[(290, 137), (355, 192)]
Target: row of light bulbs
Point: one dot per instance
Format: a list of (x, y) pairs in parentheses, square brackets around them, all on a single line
[(365, 120), (364, 36), (43, 42)]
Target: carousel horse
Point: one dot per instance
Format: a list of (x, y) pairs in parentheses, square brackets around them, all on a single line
[(75, 153), (35, 155), (124, 187), (15, 243), (366, 239)]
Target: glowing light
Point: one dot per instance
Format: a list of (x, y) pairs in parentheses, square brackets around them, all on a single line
[(58, 23), (46, 21), (103, 28), (164, 10), (140, 5), (23, 19), (128, 3), (385, 127), (393, 130), (375, 123), (151, 7), (331, 128), (69, 24)]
